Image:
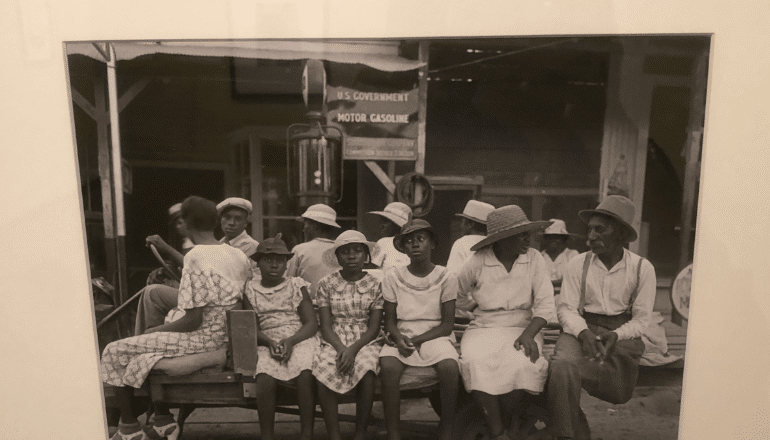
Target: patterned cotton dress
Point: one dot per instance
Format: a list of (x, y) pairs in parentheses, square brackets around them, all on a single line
[(278, 319), (418, 309), (213, 278), (351, 304)]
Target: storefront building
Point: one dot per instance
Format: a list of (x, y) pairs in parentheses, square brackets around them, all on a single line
[(550, 124)]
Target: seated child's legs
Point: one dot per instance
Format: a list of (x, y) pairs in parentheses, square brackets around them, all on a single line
[(490, 405), (449, 375), (329, 402), (390, 374), (364, 401), (266, 386), (306, 402)]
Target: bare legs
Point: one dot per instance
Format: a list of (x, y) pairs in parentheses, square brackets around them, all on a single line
[(390, 374), (364, 400), (266, 387), (392, 369), (448, 376)]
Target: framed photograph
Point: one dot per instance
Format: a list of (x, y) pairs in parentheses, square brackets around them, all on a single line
[(557, 110)]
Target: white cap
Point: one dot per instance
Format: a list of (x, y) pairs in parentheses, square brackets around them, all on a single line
[(234, 202), (175, 209), (558, 227)]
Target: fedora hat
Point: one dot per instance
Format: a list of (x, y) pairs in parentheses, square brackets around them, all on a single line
[(274, 246), (558, 227), (234, 202), (617, 207), (415, 225), (505, 222), (476, 211), (348, 237), (322, 214), (397, 212)]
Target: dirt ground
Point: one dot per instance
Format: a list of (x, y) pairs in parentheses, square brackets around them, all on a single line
[(652, 414)]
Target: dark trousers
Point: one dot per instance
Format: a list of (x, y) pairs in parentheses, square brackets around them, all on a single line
[(612, 381)]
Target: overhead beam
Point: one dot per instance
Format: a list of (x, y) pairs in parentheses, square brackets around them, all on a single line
[(135, 89), (381, 176), (83, 103)]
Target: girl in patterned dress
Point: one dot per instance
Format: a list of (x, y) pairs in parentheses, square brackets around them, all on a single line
[(212, 283), (286, 337), (419, 318), (350, 306)]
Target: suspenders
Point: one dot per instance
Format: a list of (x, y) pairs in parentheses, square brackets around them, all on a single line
[(587, 264)]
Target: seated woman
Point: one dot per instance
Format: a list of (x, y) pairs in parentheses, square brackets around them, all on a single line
[(506, 286), (213, 281), (419, 316)]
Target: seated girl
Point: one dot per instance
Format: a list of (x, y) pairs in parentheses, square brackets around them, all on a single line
[(506, 286), (286, 337), (350, 306), (212, 283), (419, 317)]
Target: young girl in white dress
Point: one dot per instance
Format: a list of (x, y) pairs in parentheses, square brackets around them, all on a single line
[(286, 337), (419, 318), (506, 285), (350, 305)]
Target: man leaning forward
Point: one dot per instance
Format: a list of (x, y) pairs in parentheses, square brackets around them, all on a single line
[(606, 303)]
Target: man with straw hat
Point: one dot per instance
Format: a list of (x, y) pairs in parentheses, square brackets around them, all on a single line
[(392, 219), (555, 251), (606, 303), (320, 229), (473, 223)]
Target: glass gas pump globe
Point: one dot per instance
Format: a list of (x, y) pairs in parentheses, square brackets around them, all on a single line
[(314, 162)]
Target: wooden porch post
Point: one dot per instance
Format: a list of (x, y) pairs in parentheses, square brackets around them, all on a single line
[(105, 175), (692, 154), (626, 129)]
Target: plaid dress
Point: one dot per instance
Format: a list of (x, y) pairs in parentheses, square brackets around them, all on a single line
[(350, 304), (127, 362), (278, 319)]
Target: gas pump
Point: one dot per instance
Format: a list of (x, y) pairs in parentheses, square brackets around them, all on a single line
[(314, 149)]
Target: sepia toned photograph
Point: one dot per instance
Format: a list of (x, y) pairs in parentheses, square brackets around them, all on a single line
[(456, 238)]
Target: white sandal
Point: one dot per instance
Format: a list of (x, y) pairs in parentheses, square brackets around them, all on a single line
[(138, 435), (169, 431)]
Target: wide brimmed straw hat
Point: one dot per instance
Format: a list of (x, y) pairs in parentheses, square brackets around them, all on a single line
[(505, 222), (618, 207), (322, 214), (477, 211), (558, 227), (397, 212), (415, 225), (348, 237), (274, 246), (234, 202)]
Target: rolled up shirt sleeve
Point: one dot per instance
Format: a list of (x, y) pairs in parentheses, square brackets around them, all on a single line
[(641, 312), (569, 299), (543, 303), (467, 279)]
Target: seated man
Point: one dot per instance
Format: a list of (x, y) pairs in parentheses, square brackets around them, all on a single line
[(606, 303), (158, 300), (473, 224), (555, 251)]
